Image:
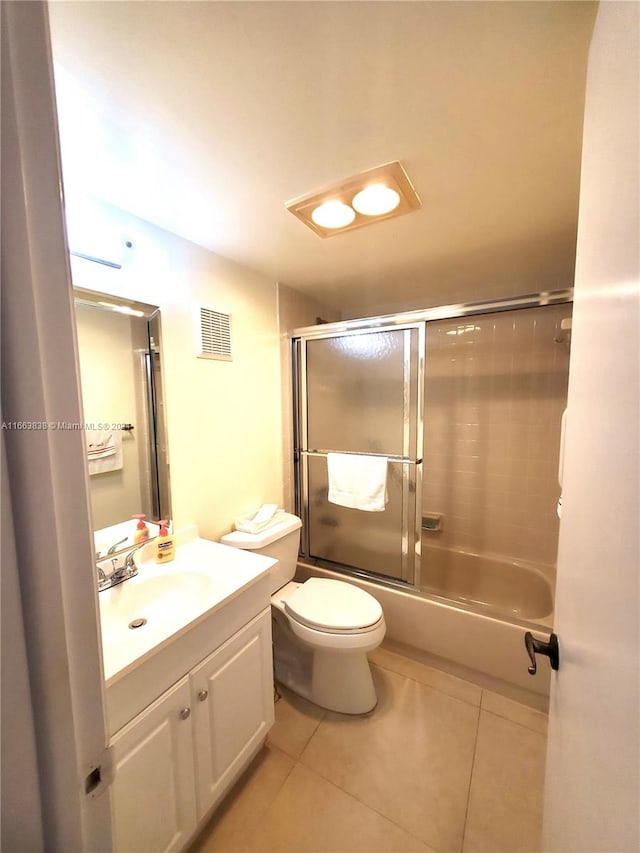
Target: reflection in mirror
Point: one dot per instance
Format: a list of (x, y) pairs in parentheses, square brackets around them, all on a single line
[(122, 393)]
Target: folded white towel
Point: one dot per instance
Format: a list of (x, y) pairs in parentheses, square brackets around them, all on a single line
[(358, 481), (104, 450), (267, 516)]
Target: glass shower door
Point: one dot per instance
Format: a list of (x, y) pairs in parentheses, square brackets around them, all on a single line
[(360, 392)]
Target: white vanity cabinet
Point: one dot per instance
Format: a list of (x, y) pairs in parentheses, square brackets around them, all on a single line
[(152, 795), (232, 702), (176, 759)]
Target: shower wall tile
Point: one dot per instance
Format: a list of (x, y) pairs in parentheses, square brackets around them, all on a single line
[(494, 394)]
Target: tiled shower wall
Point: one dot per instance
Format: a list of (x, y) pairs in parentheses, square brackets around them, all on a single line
[(495, 390)]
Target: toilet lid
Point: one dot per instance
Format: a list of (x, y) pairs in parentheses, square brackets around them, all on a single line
[(333, 605)]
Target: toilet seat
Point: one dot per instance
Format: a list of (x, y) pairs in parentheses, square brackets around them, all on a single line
[(333, 606)]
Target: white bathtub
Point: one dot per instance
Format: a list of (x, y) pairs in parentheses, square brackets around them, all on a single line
[(469, 632)]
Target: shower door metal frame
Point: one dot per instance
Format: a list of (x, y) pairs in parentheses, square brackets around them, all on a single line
[(441, 312), (420, 317), (411, 529)]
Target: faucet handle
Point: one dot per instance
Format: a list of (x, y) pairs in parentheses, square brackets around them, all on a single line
[(114, 547), (129, 559)]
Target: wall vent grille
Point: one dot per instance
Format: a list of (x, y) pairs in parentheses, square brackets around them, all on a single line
[(215, 335)]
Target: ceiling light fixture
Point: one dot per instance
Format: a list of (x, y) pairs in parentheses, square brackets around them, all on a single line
[(376, 200), (368, 197), (333, 214)]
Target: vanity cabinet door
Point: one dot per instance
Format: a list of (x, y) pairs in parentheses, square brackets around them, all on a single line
[(232, 701), (153, 795)]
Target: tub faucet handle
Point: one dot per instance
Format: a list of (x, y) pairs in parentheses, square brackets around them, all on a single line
[(535, 646)]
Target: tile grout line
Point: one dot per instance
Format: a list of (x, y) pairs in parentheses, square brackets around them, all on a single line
[(357, 799), (224, 807), (280, 786), (365, 805), (510, 719), (473, 765), (319, 722), (313, 734), (430, 686), (480, 703), (480, 706), (515, 722)]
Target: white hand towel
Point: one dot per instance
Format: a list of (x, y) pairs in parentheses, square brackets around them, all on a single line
[(358, 481), (252, 524), (104, 450)]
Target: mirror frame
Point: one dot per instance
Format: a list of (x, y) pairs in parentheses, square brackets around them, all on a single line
[(160, 491)]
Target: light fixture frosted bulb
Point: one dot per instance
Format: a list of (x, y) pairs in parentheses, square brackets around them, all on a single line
[(333, 214), (376, 200)]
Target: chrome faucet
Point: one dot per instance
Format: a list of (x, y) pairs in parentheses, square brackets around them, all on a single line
[(115, 546), (118, 573)]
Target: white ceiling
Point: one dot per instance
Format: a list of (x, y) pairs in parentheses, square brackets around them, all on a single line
[(204, 118)]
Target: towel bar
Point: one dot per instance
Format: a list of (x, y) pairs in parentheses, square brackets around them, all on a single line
[(402, 459)]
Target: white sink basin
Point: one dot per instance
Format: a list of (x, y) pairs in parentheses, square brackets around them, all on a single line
[(141, 615), (154, 596)]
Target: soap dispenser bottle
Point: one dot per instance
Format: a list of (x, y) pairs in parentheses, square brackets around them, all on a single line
[(141, 532), (165, 544)]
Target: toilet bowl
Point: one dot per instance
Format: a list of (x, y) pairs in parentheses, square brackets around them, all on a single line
[(322, 628)]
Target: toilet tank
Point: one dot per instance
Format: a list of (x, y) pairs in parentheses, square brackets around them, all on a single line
[(281, 542)]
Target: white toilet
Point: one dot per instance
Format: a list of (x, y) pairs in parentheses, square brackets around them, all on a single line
[(322, 628)]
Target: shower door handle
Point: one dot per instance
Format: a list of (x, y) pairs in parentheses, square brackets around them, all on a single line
[(535, 646)]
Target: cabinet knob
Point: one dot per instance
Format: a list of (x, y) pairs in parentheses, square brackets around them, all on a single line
[(185, 713), (202, 695)]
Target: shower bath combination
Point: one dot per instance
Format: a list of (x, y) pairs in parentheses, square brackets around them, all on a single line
[(465, 402)]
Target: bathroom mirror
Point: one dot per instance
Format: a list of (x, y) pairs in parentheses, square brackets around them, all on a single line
[(119, 346)]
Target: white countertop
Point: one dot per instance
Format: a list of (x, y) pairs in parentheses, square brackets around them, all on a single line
[(173, 598)]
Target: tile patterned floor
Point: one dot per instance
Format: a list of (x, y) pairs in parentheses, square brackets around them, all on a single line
[(440, 766)]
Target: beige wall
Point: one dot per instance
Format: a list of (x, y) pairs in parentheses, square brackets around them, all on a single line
[(495, 390), (224, 418), (108, 396), (295, 310)]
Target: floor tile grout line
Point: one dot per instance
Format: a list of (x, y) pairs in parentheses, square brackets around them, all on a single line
[(220, 812), (366, 805), (310, 738), (516, 723), (479, 704), (511, 701), (431, 686), (333, 784), (473, 765), (263, 816), (282, 784), (444, 672), (464, 681), (289, 772), (511, 720), (313, 734)]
